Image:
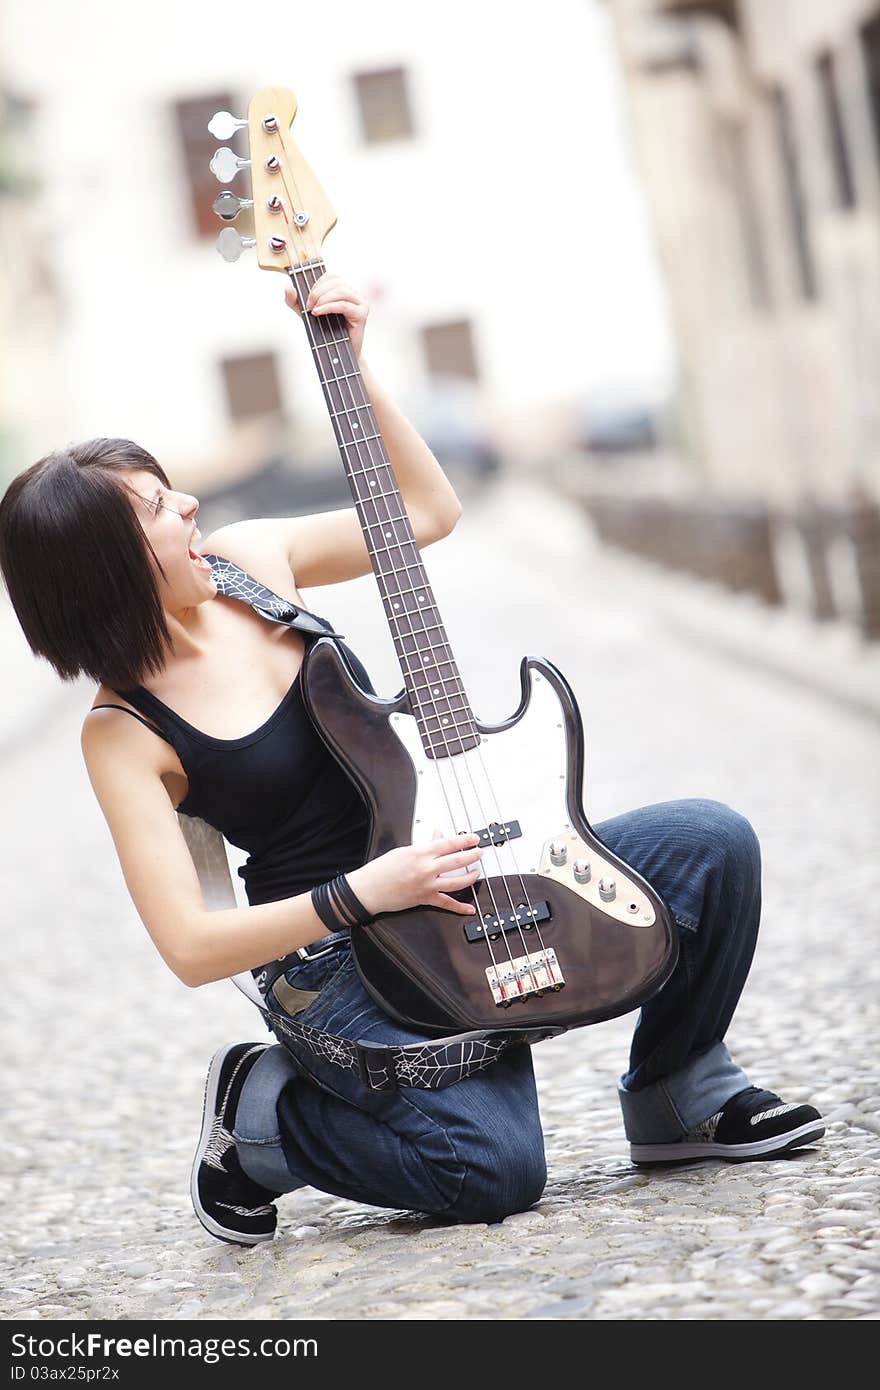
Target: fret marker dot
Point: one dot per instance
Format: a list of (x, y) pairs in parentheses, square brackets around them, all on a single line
[(335, 361), (421, 598), (372, 482), (397, 605), (387, 535), (355, 425), (436, 690), (445, 721)]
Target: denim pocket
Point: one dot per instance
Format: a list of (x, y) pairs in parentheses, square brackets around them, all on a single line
[(301, 984), (337, 978), (321, 1005)]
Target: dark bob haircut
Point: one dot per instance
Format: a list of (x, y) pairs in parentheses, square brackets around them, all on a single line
[(75, 561)]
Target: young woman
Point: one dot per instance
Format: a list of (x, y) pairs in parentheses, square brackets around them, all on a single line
[(198, 711)]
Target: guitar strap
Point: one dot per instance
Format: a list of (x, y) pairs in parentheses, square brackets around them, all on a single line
[(237, 583), (431, 1065)]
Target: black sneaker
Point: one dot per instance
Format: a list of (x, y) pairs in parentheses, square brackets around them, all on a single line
[(228, 1203), (753, 1124)]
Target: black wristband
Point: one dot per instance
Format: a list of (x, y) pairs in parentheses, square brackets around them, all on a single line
[(352, 901), (321, 903), (340, 907)]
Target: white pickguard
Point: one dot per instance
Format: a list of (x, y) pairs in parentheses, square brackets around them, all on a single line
[(516, 774)]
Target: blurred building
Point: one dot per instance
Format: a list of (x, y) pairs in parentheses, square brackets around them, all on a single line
[(757, 126), (31, 307), (464, 150)]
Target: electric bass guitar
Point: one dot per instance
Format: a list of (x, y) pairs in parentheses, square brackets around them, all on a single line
[(565, 932)]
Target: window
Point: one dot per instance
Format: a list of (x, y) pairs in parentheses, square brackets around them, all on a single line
[(838, 149), (19, 174), (870, 35), (384, 106), (199, 146), (725, 10), (252, 386), (794, 193), (735, 154), (449, 349)]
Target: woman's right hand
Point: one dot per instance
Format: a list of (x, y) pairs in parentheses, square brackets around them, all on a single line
[(409, 875)]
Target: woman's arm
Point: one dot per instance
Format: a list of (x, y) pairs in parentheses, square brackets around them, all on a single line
[(201, 945), (424, 487), (329, 547), (197, 944)]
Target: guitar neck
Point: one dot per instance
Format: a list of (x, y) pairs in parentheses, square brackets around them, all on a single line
[(430, 672)]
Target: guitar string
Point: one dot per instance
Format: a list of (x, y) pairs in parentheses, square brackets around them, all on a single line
[(465, 758), (526, 905), (390, 595), (312, 327), (499, 920), (401, 594), (515, 915)]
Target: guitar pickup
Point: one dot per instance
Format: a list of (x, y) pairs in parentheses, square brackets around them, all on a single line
[(497, 833), (492, 926)]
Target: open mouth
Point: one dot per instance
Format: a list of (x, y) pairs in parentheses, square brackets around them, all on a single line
[(197, 559)]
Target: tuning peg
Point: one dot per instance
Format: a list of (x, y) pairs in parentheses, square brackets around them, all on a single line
[(225, 164), (231, 244), (223, 125), (228, 206)]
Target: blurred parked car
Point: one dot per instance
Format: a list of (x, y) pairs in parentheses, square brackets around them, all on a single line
[(448, 417), (620, 426)]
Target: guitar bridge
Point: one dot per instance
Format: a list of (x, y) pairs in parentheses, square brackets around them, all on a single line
[(534, 974)]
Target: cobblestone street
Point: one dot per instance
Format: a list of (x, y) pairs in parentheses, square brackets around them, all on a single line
[(109, 1050)]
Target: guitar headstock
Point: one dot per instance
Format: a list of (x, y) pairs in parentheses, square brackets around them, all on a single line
[(292, 215)]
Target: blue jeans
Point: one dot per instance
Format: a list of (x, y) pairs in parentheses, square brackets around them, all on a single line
[(475, 1151)]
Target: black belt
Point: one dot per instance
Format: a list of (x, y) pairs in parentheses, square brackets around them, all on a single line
[(266, 975), (314, 949)]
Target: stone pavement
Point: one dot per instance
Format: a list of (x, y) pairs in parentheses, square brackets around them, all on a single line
[(109, 1050)]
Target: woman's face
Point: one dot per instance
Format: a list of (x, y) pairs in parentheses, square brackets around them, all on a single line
[(168, 518)]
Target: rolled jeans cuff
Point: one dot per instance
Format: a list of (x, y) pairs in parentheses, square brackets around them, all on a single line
[(256, 1130), (664, 1111)]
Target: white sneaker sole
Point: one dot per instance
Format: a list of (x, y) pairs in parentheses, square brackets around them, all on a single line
[(674, 1153), (211, 1090)]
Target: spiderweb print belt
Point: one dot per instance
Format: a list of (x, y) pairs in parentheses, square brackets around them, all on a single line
[(428, 1066)]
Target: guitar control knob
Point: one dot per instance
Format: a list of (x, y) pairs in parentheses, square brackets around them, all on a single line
[(558, 852), (582, 871), (607, 889)]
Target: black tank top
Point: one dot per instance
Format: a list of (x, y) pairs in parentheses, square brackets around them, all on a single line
[(277, 792)]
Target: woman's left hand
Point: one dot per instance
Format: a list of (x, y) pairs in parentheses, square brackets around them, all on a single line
[(333, 295)]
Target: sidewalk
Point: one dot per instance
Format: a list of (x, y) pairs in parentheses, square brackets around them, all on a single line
[(830, 658)]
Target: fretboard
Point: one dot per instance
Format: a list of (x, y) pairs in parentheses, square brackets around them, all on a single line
[(433, 683)]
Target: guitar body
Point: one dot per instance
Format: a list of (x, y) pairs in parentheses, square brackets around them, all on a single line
[(418, 964)]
